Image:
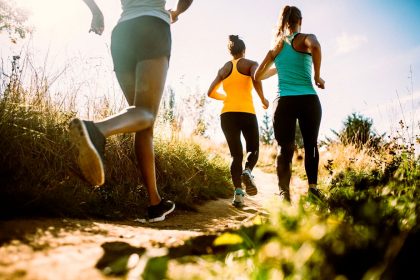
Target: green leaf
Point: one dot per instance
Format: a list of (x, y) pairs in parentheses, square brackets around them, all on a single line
[(228, 239), (156, 268)]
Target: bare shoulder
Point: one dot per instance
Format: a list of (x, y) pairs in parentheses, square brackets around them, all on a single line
[(225, 70), (248, 62), (245, 66), (274, 51), (310, 38)]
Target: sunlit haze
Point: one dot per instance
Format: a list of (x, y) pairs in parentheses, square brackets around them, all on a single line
[(368, 49)]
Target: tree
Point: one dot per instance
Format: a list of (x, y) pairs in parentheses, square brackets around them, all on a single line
[(13, 20), (267, 131), (358, 131)]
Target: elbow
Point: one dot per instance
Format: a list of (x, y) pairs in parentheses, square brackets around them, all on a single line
[(257, 77)]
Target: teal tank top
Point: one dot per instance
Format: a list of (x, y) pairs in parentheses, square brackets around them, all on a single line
[(294, 71)]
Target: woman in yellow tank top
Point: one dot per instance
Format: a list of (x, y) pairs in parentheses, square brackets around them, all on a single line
[(238, 114)]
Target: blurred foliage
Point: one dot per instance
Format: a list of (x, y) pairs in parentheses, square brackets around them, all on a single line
[(13, 20), (367, 228)]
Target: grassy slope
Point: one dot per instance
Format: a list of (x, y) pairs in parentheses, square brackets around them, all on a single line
[(38, 173)]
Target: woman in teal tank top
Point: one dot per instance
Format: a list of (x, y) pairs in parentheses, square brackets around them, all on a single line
[(293, 55)]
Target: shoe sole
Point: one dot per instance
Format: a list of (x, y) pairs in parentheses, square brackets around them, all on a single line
[(237, 204), (89, 160), (162, 218), (250, 187)]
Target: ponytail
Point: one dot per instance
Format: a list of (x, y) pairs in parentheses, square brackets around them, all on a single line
[(288, 19)]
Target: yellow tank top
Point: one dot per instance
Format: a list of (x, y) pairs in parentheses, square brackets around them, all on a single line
[(238, 89)]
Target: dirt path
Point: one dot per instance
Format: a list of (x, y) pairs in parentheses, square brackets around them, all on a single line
[(70, 248)]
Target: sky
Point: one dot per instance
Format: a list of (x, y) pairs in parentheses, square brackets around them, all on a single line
[(370, 48)]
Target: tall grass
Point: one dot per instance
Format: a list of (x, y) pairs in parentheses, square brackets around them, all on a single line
[(367, 228), (38, 174)]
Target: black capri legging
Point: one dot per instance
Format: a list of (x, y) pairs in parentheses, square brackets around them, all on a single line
[(233, 124), (307, 110)]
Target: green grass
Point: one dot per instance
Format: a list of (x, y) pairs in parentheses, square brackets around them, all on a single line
[(38, 174), (368, 228)]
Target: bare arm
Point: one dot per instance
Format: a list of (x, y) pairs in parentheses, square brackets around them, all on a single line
[(265, 70), (181, 7), (314, 48), (97, 25), (212, 92), (269, 73), (258, 86)]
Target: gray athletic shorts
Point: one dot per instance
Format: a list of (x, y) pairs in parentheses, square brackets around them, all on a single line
[(138, 39)]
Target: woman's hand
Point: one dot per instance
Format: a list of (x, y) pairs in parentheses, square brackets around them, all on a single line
[(97, 26), (181, 7), (174, 16), (319, 82), (265, 103)]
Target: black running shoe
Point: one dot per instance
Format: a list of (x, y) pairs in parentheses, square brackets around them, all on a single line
[(90, 143), (316, 194), (157, 213), (285, 195), (248, 181)]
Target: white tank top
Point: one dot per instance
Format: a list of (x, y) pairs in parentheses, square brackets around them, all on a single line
[(137, 8)]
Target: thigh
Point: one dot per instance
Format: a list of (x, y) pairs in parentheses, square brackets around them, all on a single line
[(150, 83), (250, 131), (140, 50), (232, 132), (310, 119), (284, 120), (138, 39), (144, 87), (127, 81)]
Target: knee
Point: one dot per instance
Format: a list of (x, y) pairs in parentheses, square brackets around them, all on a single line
[(286, 151), (254, 153), (237, 157), (143, 114), (311, 149)]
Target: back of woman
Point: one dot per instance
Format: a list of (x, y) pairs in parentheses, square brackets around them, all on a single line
[(238, 88), (297, 101), (238, 115), (295, 68)]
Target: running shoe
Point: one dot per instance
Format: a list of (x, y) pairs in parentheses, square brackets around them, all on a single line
[(157, 213), (248, 180), (238, 198), (285, 195), (90, 143), (316, 194)]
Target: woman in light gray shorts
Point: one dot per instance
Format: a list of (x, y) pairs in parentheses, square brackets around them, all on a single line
[(140, 47)]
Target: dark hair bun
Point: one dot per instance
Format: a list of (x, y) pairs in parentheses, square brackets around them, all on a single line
[(233, 37)]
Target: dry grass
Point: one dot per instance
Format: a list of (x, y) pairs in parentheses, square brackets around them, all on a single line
[(39, 174)]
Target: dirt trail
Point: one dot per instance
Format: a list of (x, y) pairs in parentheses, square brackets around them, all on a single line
[(70, 248)]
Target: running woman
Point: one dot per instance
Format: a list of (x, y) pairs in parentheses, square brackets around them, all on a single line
[(140, 48), (293, 55), (238, 115)]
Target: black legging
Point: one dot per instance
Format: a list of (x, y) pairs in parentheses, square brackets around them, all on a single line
[(307, 110), (233, 123)]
